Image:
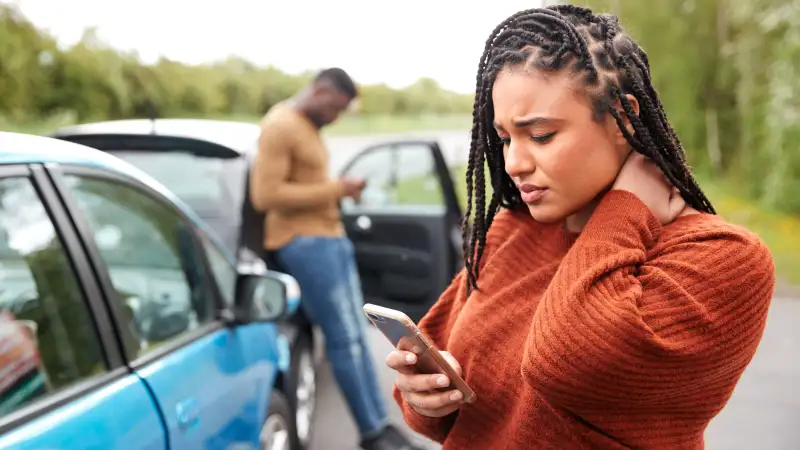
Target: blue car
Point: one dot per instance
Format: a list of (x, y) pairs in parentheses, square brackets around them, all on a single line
[(124, 323), (405, 230)]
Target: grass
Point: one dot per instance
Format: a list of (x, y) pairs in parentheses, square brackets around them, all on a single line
[(39, 126), (347, 125)]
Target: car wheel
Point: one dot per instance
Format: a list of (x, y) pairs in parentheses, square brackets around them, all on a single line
[(277, 431), (303, 392)]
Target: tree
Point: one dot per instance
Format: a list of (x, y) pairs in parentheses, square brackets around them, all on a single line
[(729, 76), (93, 82)]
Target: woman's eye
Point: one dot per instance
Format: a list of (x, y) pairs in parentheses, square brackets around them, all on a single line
[(539, 139), (542, 138)]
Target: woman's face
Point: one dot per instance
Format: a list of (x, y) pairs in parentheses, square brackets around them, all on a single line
[(559, 157)]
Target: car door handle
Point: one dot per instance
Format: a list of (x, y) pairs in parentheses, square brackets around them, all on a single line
[(363, 224), (188, 413)]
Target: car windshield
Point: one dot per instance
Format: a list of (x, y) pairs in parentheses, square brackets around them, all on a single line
[(209, 185)]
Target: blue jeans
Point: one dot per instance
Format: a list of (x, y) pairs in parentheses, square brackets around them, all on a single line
[(326, 270)]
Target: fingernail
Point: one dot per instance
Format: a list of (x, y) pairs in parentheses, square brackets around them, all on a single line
[(455, 396), (442, 381), (416, 350), (411, 358)]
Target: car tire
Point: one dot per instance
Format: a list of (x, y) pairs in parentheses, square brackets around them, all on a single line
[(278, 430), (302, 390)]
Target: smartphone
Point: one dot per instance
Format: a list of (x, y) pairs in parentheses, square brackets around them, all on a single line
[(403, 334)]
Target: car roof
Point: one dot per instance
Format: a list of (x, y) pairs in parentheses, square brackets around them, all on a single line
[(241, 137), (17, 148)]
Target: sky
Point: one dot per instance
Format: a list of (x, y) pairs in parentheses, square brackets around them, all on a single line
[(373, 41)]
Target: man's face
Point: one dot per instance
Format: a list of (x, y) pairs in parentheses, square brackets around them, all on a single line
[(327, 103)]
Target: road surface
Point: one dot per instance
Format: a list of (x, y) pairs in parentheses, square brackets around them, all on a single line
[(763, 414)]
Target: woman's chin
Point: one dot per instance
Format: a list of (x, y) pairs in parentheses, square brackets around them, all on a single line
[(545, 213)]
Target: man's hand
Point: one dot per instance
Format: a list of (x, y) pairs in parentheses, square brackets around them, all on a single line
[(353, 187)]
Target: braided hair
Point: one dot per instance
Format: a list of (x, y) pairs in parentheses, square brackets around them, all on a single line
[(611, 66)]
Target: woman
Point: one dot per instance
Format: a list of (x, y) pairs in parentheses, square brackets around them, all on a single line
[(603, 304)]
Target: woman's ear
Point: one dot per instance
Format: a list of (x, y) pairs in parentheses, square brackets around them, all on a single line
[(634, 103), (625, 120)]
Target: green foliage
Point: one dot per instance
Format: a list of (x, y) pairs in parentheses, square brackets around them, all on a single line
[(728, 73), (40, 82)]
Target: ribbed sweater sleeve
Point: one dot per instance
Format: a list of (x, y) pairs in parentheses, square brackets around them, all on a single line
[(435, 325), (630, 324)]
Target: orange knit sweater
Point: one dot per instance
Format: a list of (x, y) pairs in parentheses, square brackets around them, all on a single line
[(629, 335)]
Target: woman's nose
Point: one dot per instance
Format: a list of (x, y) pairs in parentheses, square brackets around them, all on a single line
[(519, 160)]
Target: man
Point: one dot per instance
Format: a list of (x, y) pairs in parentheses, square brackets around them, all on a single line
[(290, 182)]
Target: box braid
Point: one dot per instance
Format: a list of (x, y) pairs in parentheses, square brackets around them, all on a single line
[(610, 65)]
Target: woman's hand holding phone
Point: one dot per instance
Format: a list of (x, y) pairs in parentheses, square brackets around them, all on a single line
[(423, 392)]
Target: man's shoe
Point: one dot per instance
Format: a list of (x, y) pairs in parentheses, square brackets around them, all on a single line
[(389, 439)]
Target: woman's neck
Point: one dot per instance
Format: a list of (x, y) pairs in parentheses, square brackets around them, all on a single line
[(576, 222)]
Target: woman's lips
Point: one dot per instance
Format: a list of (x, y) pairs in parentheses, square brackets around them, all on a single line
[(531, 193)]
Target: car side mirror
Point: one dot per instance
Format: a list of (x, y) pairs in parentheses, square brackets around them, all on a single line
[(265, 297), (292, 291)]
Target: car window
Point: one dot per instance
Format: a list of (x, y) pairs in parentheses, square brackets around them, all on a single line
[(47, 337), (397, 175), (152, 260), (207, 184), (224, 272)]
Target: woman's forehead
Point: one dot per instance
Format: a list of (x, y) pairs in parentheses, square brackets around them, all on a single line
[(522, 92)]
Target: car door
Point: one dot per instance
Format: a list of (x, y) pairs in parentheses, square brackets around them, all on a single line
[(406, 226), (64, 383), (167, 282)]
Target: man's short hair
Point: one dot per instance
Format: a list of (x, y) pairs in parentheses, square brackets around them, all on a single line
[(340, 79)]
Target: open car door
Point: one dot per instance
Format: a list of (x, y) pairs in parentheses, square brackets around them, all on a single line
[(406, 228)]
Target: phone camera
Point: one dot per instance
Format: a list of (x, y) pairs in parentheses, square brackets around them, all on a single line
[(375, 318)]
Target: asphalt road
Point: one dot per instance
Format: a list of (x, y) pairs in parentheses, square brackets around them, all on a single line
[(764, 413)]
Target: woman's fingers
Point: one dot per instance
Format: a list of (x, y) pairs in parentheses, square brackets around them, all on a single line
[(423, 392), (401, 361), (421, 383), (435, 401)]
